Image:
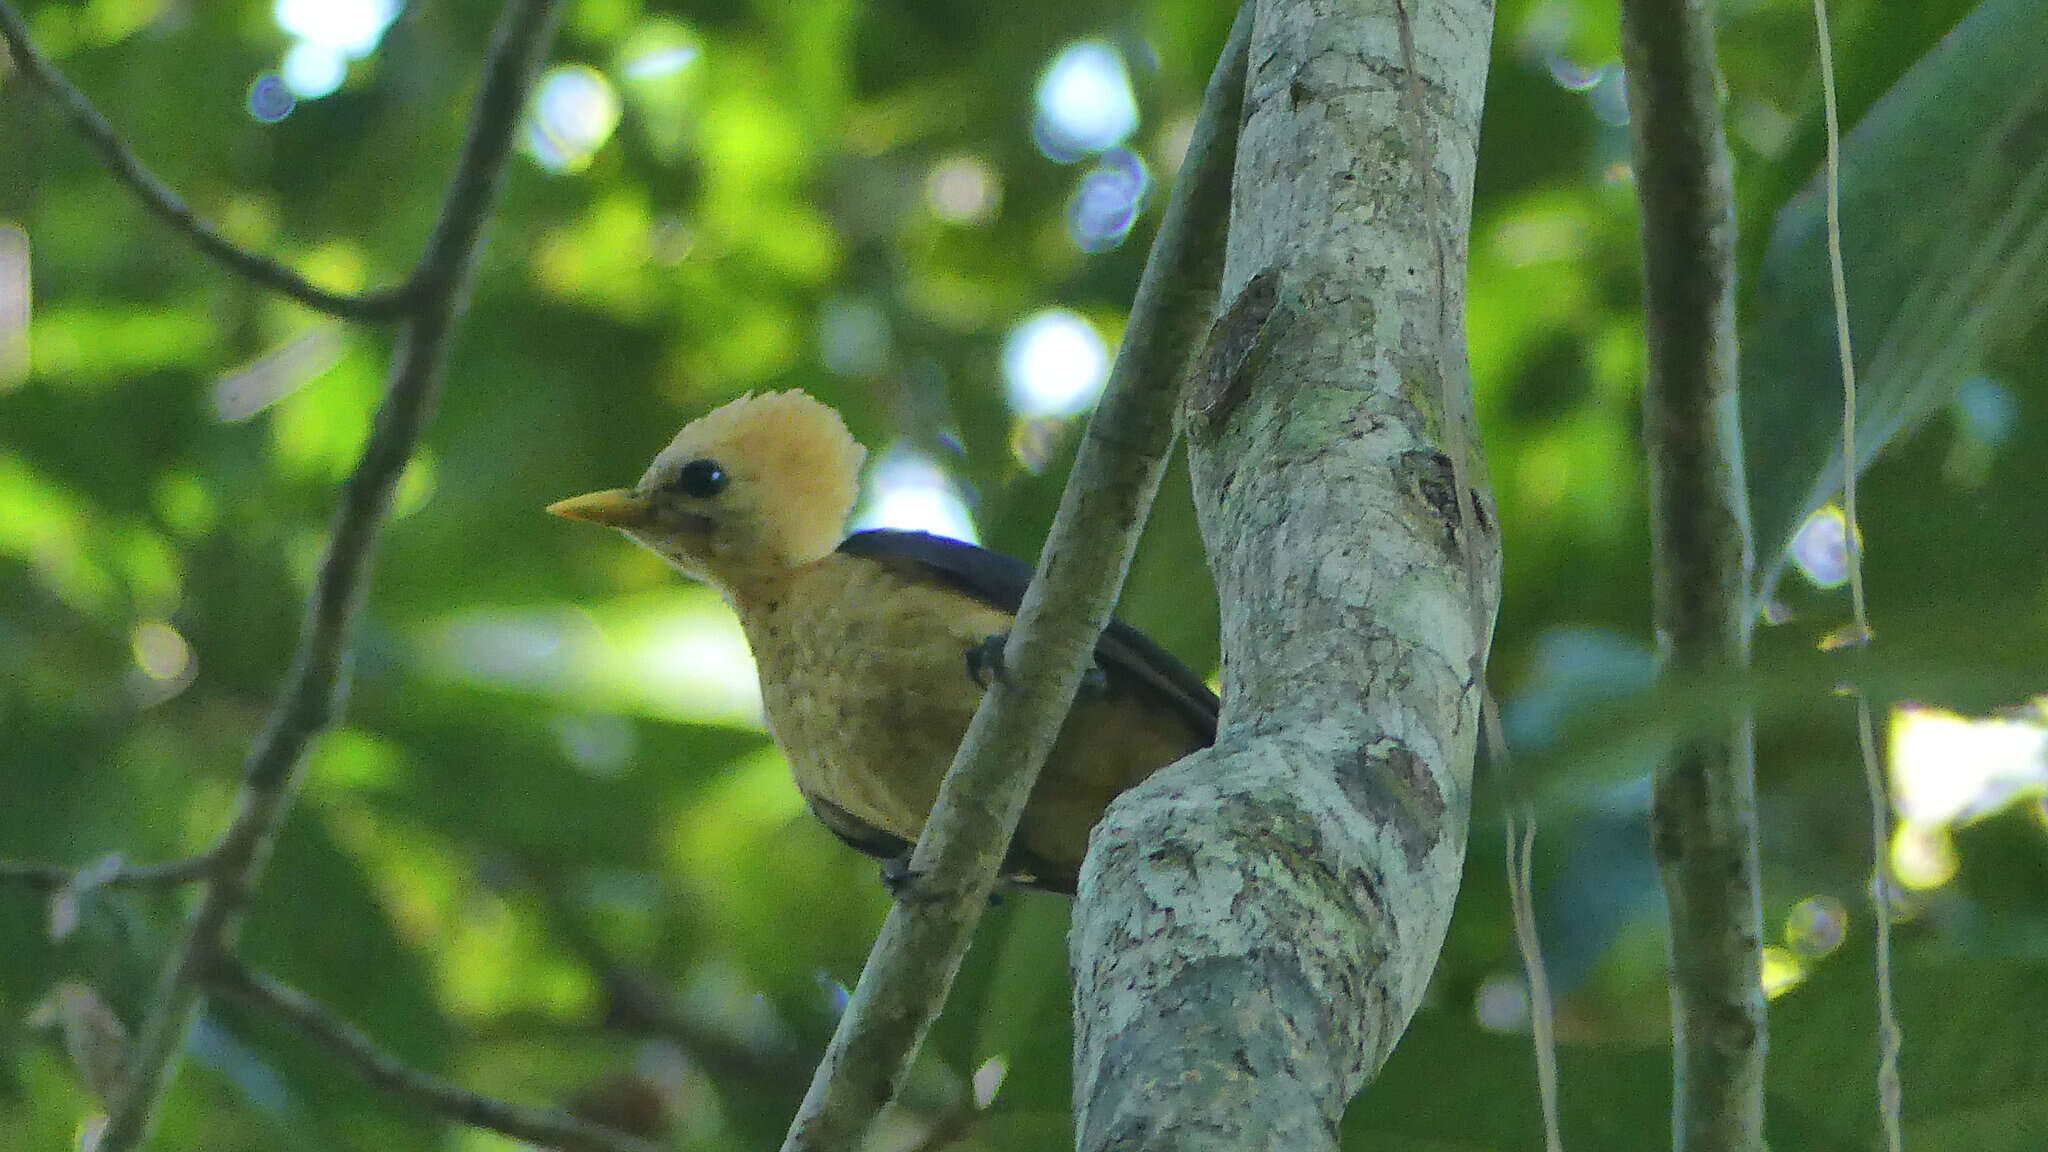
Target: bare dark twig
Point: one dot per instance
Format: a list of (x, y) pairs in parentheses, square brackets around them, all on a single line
[(170, 874), (1080, 572), (535, 1125), (168, 206), (315, 684)]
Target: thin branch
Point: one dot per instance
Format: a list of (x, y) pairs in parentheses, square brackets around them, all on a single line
[(1889, 1088), (314, 686), (1704, 811), (164, 203), (1079, 575), (542, 1126), (109, 873)]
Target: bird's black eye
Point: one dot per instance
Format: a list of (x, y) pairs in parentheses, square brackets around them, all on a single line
[(700, 478)]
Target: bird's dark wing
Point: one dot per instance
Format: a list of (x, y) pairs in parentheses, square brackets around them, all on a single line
[(857, 834), (999, 582)]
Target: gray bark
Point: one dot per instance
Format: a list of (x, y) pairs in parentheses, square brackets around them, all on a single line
[(1256, 924)]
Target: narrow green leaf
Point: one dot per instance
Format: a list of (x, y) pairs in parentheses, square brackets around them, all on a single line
[(1945, 242)]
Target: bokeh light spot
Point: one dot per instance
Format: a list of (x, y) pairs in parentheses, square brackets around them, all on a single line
[(598, 743), (574, 111), (988, 1080), (1923, 856), (270, 100), (659, 61), (963, 190), (1782, 971), (312, 70), (1986, 409), (1820, 549), (853, 336), (1107, 201), (1033, 441), (1502, 1004), (1816, 926), (160, 651), (352, 27), (907, 491), (327, 34), (1054, 364), (1085, 103)]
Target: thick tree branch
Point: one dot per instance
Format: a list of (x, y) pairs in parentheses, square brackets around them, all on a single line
[(541, 1126), (1704, 812), (168, 206), (315, 684), (1080, 573), (1257, 923)]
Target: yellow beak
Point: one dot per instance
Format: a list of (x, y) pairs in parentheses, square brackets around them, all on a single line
[(614, 507)]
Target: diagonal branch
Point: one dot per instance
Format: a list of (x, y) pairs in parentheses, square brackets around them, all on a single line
[(1079, 575), (315, 683), (168, 206), (1704, 811), (543, 1126)]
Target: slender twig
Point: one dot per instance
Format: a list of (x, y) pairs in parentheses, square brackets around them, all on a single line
[(314, 686), (1889, 1088), (168, 206), (312, 1019), (1704, 808), (110, 873), (1079, 575)]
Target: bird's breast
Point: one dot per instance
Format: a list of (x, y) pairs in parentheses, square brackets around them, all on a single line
[(865, 684)]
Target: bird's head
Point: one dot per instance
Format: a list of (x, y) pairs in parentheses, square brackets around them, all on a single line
[(760, 485)]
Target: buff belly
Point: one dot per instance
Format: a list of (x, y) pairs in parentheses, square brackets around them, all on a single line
[(865, 682)]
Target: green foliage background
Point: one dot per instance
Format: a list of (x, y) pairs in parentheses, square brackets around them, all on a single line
[(518, 808)]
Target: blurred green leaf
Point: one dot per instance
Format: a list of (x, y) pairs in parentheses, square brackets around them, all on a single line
[(1945, 242)]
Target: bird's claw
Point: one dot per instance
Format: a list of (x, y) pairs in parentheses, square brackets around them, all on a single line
[(985, 660), (899, 880), (1094, 681), (985, 666)]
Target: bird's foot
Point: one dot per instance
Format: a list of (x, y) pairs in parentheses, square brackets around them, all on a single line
[(906, 885), (985, 660), (985, 666)]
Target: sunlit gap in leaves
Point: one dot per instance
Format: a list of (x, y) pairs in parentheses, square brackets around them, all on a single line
[(574, 112), (675, 654), (1948, 770), (327, 36), (907, 490), (1055, 365), (1085, 104)]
